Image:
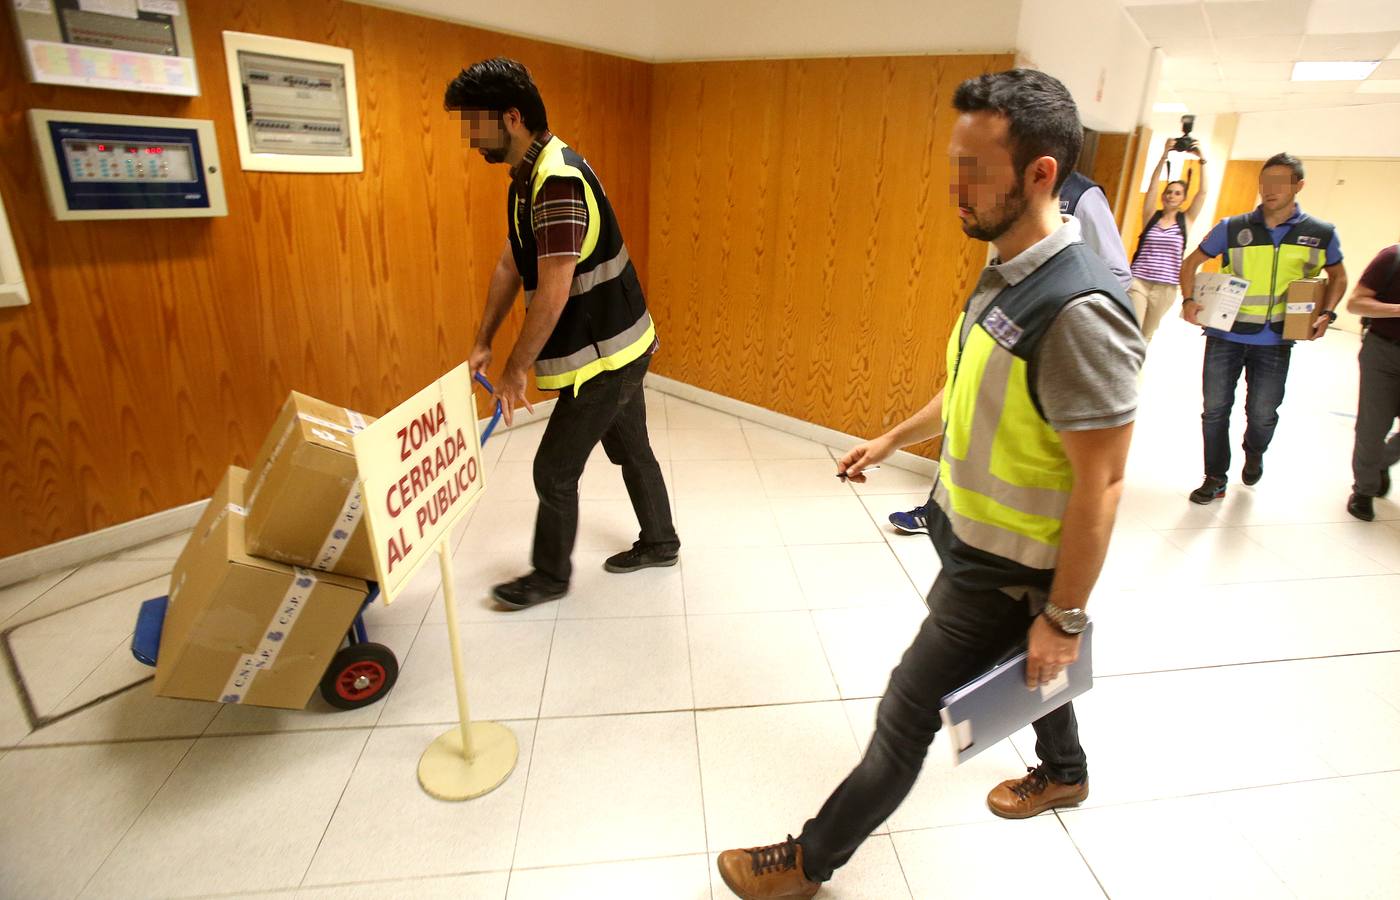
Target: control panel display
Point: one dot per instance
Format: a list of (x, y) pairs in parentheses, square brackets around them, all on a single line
[(128, 162), (123, 45), (99, 166)]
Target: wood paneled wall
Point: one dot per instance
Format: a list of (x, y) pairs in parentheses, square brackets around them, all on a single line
[(1239, 187), (1111, 162), (156, 352), (805, 255)]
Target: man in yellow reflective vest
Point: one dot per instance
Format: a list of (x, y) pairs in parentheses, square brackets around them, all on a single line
[(1036, 416), (1271, 248), (587, 332)]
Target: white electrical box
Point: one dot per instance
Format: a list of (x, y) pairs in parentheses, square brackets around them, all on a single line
[(122, 45), (102, 166), (12, 289), (294, 104)]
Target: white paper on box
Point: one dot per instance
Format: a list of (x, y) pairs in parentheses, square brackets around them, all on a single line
[(1298, 308), (1220, 296)]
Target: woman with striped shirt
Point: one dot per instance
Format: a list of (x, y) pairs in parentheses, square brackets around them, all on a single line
[(1156, 266)]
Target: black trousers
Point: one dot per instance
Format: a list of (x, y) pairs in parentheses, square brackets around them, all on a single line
[(1377, 406), (610, 407), (965, 634)]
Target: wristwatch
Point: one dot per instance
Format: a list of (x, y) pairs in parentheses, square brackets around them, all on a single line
[(1070, 621), (1331, 315), (1186, 300)]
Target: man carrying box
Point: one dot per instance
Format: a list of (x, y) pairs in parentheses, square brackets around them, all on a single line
[(587, 332), (1271, 247)]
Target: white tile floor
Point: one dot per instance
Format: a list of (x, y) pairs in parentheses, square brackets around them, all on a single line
[(1244, 732)]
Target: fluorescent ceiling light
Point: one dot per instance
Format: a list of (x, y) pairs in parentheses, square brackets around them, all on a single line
[(1169, 107), (1333, 71)]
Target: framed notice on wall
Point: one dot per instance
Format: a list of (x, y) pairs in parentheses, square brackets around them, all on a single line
[(123, 45), (294, 104)]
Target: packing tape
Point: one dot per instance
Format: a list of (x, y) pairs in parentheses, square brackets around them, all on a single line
[(251, 494), (351, 511), (278, 629), (229, 508)]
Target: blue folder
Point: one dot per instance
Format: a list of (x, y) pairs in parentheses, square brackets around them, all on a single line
[(997, 704)]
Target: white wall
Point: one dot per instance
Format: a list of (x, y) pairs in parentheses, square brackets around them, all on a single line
[(672, 30), (769, 28), (1368, 131), (1096, 50)]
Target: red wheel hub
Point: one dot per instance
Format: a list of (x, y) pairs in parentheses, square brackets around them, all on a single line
[(360, 680)]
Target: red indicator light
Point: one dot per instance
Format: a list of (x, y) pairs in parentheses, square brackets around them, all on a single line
[(102, 148)]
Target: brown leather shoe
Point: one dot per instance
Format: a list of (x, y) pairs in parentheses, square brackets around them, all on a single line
[(1021, 798), (767, 873)]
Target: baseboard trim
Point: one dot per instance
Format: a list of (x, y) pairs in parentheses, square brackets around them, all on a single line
[(94, 545), (782, 422), (85, 548)]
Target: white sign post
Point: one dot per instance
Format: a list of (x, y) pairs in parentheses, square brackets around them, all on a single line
[(420, 466)]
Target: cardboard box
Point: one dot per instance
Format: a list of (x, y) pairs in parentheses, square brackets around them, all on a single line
[(304, 505), (240, 629), (1304, 299), (1220, 296)]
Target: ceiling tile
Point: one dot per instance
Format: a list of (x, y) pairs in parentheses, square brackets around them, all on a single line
[(1261, 18), (1187, 66), (1265, 49), (1256, 71), (1343, 16), (1174, 22), (1348, 46), (1379, 86)]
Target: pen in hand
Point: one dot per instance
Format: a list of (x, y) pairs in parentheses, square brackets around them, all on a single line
[(843, 476)]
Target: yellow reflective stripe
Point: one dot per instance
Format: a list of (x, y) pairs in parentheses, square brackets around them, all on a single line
[(980, 522), (551, 164), (609, 363), (1039, 461)]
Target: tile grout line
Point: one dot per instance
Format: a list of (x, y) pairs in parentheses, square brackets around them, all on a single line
[(136, 818), (1080, 850), (534, 743), (695, 728), (338, 800)]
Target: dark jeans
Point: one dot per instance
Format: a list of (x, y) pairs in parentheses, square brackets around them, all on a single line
[(965, 634), (1377, 405), (609, 407), (1265, 371)]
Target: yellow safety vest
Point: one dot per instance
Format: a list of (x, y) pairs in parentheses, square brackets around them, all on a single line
[(1269, 269)]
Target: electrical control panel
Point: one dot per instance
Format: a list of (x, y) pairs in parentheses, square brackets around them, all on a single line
[(100, 166), (124, 45)]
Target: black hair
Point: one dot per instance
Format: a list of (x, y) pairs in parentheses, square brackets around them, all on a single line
[(1040, 111), (1285, 159), (497, 85)]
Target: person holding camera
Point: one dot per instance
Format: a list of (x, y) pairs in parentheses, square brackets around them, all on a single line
[(1156, 266), (1271, 247)]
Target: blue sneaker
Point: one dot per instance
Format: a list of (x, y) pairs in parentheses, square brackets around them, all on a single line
[(915, 521)]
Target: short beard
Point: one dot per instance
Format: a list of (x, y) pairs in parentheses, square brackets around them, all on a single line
[(495, 155), (1011, 209)]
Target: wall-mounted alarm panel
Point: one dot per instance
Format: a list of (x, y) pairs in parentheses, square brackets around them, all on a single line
[(100, 166), (122, 45)]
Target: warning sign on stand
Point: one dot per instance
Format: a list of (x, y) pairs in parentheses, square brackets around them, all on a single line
[(421, 469)]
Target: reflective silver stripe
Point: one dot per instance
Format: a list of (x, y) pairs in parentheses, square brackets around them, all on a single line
[(975, 472), (561, 364), (603, 272), (990, 539), (607, 271)]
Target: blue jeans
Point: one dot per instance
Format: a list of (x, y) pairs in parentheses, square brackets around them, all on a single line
[(1265, 371)]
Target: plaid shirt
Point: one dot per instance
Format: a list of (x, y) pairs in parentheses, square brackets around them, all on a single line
[(559, 217)]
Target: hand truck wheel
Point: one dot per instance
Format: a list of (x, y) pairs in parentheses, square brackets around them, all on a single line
[(359, 675)]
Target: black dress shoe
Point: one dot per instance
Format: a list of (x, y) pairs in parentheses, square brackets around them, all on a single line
[(1253, 468), (527, 590), (1211, 489), (641, 556), (1360, 506)]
